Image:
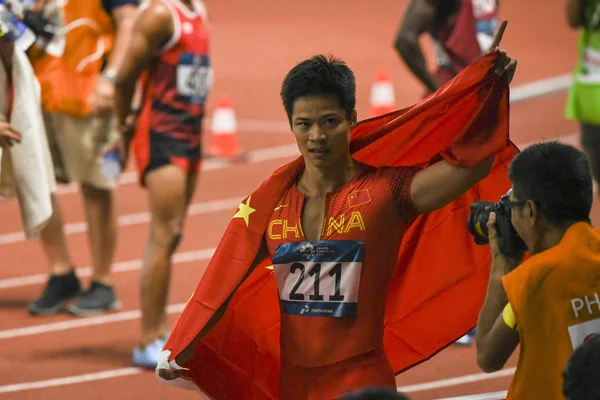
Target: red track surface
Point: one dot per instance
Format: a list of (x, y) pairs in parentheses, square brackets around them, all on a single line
[(254, 44)]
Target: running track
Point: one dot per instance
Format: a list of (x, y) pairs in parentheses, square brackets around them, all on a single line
[(254, 44)]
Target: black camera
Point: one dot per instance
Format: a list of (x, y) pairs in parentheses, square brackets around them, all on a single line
[(39, 25), (510, 241)]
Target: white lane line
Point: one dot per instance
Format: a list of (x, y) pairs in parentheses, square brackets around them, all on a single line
[(123, 266), (228, 204), (69, 380), (539, 88), (481, 396), (114, 373), (459, 380), (110, 318)]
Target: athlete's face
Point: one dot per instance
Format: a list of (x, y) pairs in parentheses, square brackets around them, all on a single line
[(322, 130)]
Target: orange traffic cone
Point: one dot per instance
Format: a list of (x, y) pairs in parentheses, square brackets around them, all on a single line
[(224, 130), (383, 99)]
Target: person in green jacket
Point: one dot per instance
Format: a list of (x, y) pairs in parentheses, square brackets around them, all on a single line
[(583, 101)]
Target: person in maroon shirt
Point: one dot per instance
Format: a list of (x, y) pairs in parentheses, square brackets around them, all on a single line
[(462, 31)]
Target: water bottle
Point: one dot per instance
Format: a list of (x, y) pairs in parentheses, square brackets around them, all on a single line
[(111, 165)]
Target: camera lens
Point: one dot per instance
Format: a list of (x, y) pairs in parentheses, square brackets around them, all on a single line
[(477, 221)]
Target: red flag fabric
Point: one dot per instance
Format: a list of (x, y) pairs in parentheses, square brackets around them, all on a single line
[(441, 277)]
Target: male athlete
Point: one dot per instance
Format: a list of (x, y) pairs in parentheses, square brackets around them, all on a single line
[(333, 236), (169, 46), (462, 30)]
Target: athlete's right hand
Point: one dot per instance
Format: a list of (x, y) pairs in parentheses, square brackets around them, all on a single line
[(8, 134), (168, 370), (168, 374)]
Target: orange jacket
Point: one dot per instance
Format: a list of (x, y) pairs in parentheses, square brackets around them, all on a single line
[(67, 82), (555, 296)]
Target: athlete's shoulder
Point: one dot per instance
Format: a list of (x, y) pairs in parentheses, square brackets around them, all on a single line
[(155, 10), (154, 20)]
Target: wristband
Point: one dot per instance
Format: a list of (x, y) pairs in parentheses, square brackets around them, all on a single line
[(509, 316)]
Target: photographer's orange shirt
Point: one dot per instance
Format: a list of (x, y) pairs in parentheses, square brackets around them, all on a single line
[(555, 296)]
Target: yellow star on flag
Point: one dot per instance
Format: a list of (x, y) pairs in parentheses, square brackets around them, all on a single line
[(244, 211)]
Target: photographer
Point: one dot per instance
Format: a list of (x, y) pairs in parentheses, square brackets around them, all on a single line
[(551, 302)]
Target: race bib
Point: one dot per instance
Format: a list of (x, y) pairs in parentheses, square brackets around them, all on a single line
[(194, 77), (581, 332), (319, 278)]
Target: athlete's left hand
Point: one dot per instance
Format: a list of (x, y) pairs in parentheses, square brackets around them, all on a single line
[(506, 66), (122, 144), (103, 98)]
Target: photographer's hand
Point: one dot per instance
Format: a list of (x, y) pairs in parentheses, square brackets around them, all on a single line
[(501, 263), (495, 341)]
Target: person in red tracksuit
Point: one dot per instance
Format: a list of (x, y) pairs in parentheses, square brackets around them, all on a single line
[(168, 59)]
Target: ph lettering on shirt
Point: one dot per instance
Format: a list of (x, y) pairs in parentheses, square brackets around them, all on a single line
[(590, 303)]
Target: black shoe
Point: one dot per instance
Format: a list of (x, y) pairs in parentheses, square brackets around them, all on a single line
[(98, 299), (58, 291)]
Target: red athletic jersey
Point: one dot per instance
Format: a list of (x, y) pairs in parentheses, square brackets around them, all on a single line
[(174, 88), (333, 291)]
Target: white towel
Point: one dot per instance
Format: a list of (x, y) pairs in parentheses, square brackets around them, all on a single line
[(26, 167)]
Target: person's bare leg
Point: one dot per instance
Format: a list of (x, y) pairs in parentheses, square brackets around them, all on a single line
[(102, 223), (101, 218), (63, 284), (54, 242), (169, 193)]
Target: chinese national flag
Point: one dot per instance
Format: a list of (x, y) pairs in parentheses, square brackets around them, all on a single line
[(441, 276), (358, 197)]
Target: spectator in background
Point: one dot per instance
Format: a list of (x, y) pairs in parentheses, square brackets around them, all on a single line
[(551, 302), (583, 101), (461, 30), (25, 163), (582, 375), (78, 103)]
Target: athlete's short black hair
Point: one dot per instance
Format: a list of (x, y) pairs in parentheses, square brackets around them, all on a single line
[(318, 76), (582, 374), (557, 177)]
